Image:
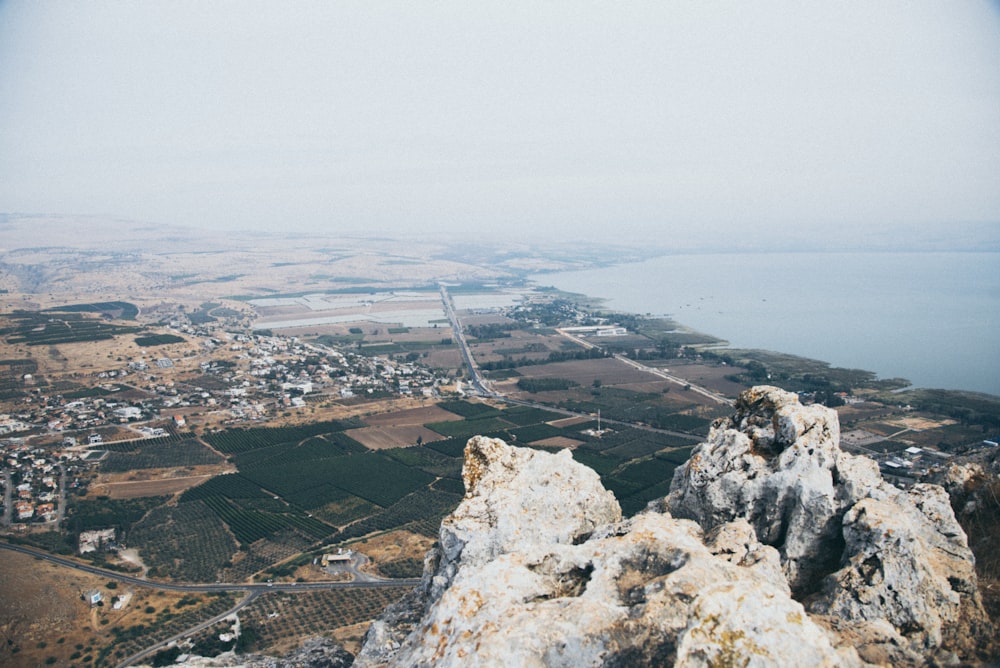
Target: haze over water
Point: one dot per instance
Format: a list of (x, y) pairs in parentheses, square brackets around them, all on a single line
[(932, 318)]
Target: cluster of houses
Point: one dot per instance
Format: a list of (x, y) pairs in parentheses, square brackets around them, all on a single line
[(248, 376), (55, 413), (283, 372), (30, 478), (245, 377)]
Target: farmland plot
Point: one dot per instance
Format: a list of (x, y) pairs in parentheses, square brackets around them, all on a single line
[(381, 438), (156, 453), (187, 542)]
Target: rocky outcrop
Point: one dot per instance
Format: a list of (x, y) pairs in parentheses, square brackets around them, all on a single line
[(536, 568), (852, 546), (773, 548)]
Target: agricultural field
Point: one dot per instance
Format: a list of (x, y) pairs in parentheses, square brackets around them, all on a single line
[(300, 488), (41, 329), (139, 485), (382, 438), (715, 378), (187, 542), (156, 453), (278, 622), (584, 372), (411, 416)]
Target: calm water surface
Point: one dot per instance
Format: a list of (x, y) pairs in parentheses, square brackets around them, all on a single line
[(933, 318)]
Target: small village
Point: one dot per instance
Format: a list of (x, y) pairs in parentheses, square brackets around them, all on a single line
[(241, 379)]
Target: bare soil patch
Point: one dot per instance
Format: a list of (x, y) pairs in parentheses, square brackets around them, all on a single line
[(558, 442), (45, 618), (350, 637), (401, 436), (708, 376), (394, 546), (155, 482), (445, 358), (133, 490), (42, 603), (608, 370), (569, 422), (410, 416), (917, 423)]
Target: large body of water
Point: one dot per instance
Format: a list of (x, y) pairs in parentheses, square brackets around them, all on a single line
[(933, 318)]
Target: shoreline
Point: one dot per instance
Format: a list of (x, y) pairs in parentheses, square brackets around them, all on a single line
[(922, 316)]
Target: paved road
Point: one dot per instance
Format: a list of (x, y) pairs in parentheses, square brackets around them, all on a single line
[(205, 587), (8, 509), (703, 391), (662, 373), (164, 644), (252, 591), (474, 376)]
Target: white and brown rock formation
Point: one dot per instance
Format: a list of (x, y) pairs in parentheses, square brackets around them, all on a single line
[(773, 548)]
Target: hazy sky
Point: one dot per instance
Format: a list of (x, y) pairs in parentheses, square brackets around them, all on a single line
[(617, 119)]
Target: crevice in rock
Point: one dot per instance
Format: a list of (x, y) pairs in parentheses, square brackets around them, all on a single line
[(654, 652), (568, 584), (869, 568)]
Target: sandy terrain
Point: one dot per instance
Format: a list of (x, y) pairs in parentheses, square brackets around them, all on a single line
[(163, 487), (394, 545), (43, 614), (558, 442), (608, 371), (411, 416), (919, 423), (401, 436)]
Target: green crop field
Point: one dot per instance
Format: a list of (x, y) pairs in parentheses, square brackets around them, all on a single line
[(370, 476), (468, 428), (187, 542), (118, 310), (157, 340), (468, 409), (311, 485), (234, 441), (156, 453), (452, 447), (37, 329), (527, 415)]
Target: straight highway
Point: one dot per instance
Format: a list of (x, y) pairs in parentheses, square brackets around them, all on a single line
[(662, 373), (475, 378)]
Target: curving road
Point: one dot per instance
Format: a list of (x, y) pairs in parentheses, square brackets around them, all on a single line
[(252, 591), (201, 626)]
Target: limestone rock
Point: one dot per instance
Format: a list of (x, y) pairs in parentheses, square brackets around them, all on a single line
[(646, 591), (536, 568), (852, 546), (774, 547)]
